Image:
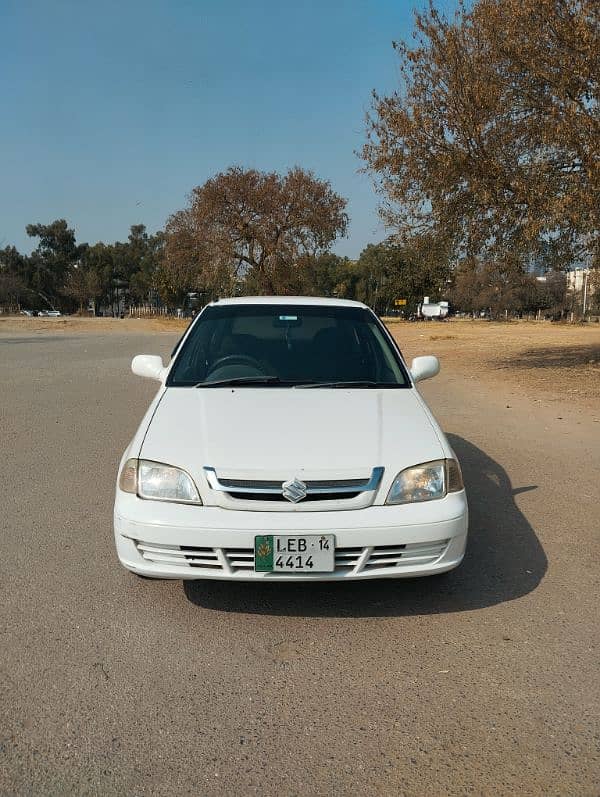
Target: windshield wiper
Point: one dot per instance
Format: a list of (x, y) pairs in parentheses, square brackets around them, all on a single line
[(356, 383), (242, 380)]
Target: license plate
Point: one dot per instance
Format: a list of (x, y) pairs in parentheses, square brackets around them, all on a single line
[(310, 553)]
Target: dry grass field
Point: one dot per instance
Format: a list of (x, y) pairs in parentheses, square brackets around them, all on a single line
[(539, 359), (75, 324)]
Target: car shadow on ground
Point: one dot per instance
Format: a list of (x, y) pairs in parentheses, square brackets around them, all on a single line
[(553, 357), (504, 561)]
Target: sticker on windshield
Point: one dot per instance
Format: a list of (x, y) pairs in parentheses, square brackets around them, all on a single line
[(288, 317)]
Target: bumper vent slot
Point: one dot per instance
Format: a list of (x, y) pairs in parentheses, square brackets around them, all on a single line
[(397, 556)]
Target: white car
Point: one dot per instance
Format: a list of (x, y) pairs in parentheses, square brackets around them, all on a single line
[(287, 441)]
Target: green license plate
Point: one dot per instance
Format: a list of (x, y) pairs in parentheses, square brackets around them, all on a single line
[(284, 553)]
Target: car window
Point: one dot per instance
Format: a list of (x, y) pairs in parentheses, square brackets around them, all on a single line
[(289, 344)]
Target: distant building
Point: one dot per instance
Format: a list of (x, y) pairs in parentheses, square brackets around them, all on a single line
[(582, 288), (577, 279)]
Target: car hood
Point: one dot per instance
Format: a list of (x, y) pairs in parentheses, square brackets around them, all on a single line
[(279, 433)]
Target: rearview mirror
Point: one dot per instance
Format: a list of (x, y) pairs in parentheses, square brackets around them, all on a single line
[(424, 368), (148, 365)]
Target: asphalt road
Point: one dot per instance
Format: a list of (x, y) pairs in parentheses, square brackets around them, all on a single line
[(486, 682)]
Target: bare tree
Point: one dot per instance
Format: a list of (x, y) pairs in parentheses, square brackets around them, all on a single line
[(494, 138), (12, 289), (253, 227)]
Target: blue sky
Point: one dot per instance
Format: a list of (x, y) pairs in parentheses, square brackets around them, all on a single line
[(113, 111)]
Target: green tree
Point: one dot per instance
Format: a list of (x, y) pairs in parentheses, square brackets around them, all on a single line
[(498, 286), (82, 284), (549, 294), (14, 279), (325, 275), (56, 253), (389, 271), (145, 254), (99, 259), (131, 264), (12, 289)]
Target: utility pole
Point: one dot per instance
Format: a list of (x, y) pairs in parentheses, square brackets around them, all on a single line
[(585, 282)]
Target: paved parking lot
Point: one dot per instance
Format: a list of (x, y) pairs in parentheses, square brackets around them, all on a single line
[(484, 682)]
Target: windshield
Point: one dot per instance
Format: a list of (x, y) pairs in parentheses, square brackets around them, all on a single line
[(287, 345)]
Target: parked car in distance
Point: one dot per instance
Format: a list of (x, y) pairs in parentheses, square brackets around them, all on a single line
[(288, 441), (433, 310), (49, 313), (28, 313)]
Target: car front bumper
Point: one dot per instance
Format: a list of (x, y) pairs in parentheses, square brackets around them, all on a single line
[(163, 540)]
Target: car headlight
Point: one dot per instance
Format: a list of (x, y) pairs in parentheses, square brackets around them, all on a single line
[(158, 482), (426, 482)]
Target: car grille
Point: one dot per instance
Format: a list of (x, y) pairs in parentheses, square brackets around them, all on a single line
[(328, 484), (347, 560), (332, 496), (271, 491)]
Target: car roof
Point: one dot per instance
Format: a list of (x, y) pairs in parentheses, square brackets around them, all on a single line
[(275, 300)]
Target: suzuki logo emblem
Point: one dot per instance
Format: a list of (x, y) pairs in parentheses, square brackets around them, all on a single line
[(294, 490)]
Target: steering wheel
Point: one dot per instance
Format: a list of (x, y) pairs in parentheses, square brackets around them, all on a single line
[(236, 359)]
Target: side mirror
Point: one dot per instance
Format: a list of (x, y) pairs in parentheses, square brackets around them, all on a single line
[(148, 365), (424, 368)]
